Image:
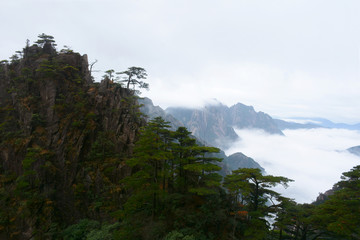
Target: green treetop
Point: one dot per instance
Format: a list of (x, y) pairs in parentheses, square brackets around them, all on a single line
[(45, 39), (340, 214), (253, 198), (134, 76)]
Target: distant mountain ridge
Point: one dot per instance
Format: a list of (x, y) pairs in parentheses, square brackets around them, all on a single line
[(313, 123), (282, 124), (215, 123), (329, 124)]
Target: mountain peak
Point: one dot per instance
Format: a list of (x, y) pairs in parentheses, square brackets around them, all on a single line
[(242, 106)]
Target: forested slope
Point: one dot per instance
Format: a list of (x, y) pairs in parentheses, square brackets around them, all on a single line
[(63, 141)]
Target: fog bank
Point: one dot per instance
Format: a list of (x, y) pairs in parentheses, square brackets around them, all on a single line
[(314, 158)]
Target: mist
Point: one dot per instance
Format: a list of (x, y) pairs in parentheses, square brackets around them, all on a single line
[(313, 158)]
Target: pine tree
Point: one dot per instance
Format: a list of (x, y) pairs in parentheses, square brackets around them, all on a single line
[(340, 214), (253, 199), (196, 170), (151, 170)]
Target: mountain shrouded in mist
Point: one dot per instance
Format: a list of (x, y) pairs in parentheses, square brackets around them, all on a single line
[(230, 163), (215, 123)]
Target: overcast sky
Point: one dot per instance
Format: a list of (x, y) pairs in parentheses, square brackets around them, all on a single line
[(284, 57)]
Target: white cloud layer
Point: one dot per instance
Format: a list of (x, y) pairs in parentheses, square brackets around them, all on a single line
[(314, 158)]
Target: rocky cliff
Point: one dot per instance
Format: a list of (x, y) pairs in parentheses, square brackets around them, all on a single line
[(63, 140)]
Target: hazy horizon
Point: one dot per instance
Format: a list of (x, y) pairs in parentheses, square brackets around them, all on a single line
[(292, 118)]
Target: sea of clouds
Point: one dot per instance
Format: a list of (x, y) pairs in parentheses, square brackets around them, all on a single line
[(313, 158)]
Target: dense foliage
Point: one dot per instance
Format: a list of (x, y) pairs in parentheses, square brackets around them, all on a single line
[(76, 163)]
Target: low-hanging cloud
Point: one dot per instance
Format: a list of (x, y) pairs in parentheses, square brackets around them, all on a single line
[(313, 158)]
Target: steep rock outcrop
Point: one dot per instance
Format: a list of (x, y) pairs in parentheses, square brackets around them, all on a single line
[(62, 137)]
